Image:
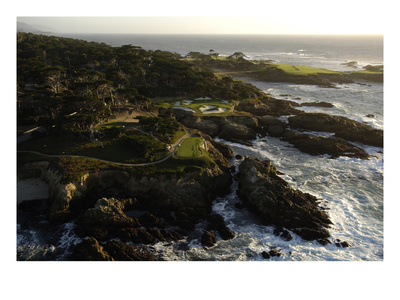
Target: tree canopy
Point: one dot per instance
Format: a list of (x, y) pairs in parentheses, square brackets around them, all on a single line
[(71, 83)]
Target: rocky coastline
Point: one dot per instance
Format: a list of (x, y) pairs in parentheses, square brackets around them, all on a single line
[(105, 204), (261, 118), (321, 79)]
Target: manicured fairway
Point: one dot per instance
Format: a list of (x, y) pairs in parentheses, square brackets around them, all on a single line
[(190, 148)]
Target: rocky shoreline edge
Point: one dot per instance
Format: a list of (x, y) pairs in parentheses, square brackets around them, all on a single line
[(104, 204)]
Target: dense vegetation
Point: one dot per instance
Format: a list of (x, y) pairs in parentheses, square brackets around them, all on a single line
[(69, 85)]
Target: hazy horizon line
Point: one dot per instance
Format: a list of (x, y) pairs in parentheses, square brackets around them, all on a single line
[(152, 33)]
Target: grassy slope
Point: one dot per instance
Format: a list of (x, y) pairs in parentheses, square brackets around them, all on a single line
[(190, 148), (303, 70)]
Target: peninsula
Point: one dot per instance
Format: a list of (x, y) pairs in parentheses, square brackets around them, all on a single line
[(116, 130)]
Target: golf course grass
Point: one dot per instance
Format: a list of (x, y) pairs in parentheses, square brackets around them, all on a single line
[(190, 148)]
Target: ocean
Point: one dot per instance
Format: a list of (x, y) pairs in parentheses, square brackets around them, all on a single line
[(352, 188)]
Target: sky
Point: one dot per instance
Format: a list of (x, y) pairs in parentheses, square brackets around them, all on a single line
[(211, 17)]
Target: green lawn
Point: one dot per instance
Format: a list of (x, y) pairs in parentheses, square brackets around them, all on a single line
[(113, 125), (302, 70), (190, 148)]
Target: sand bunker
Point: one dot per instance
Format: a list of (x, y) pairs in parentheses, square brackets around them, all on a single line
[(212, 109)]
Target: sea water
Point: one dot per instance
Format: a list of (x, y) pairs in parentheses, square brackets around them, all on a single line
[(351, 188)]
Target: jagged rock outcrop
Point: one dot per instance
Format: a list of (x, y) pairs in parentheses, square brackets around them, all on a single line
[(276, 203), (216, 223), (228, 128), (225, 150), (319, 145), (107, 220), (272, 125), (208, 239), (108, 212), (191, 193), (91, 250), (343, 127), (268, 106)]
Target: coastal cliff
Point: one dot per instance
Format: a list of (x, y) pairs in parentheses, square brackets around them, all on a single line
[(277, 204), (191, 193)]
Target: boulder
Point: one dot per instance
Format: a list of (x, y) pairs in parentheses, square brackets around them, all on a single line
[(208, 239), (276, 203), (271, 253)]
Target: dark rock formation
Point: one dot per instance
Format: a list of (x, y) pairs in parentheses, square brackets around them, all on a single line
[(318, 104), (273, 126), (271, 253), (268, 106), (191, 192), (276, 203), (283, 233), (231, 131), (90, 250), (221, 147), (342, 127), (376, 77), (318, 145), (120, 251), (134, 235), (107, 220), (342, 244), (216, 222), (108, 212), (239, 128), (208, 239)]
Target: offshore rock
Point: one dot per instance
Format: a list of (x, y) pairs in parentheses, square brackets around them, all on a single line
[(318, 104), (343, 127), (276, 203), (318, 145)]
